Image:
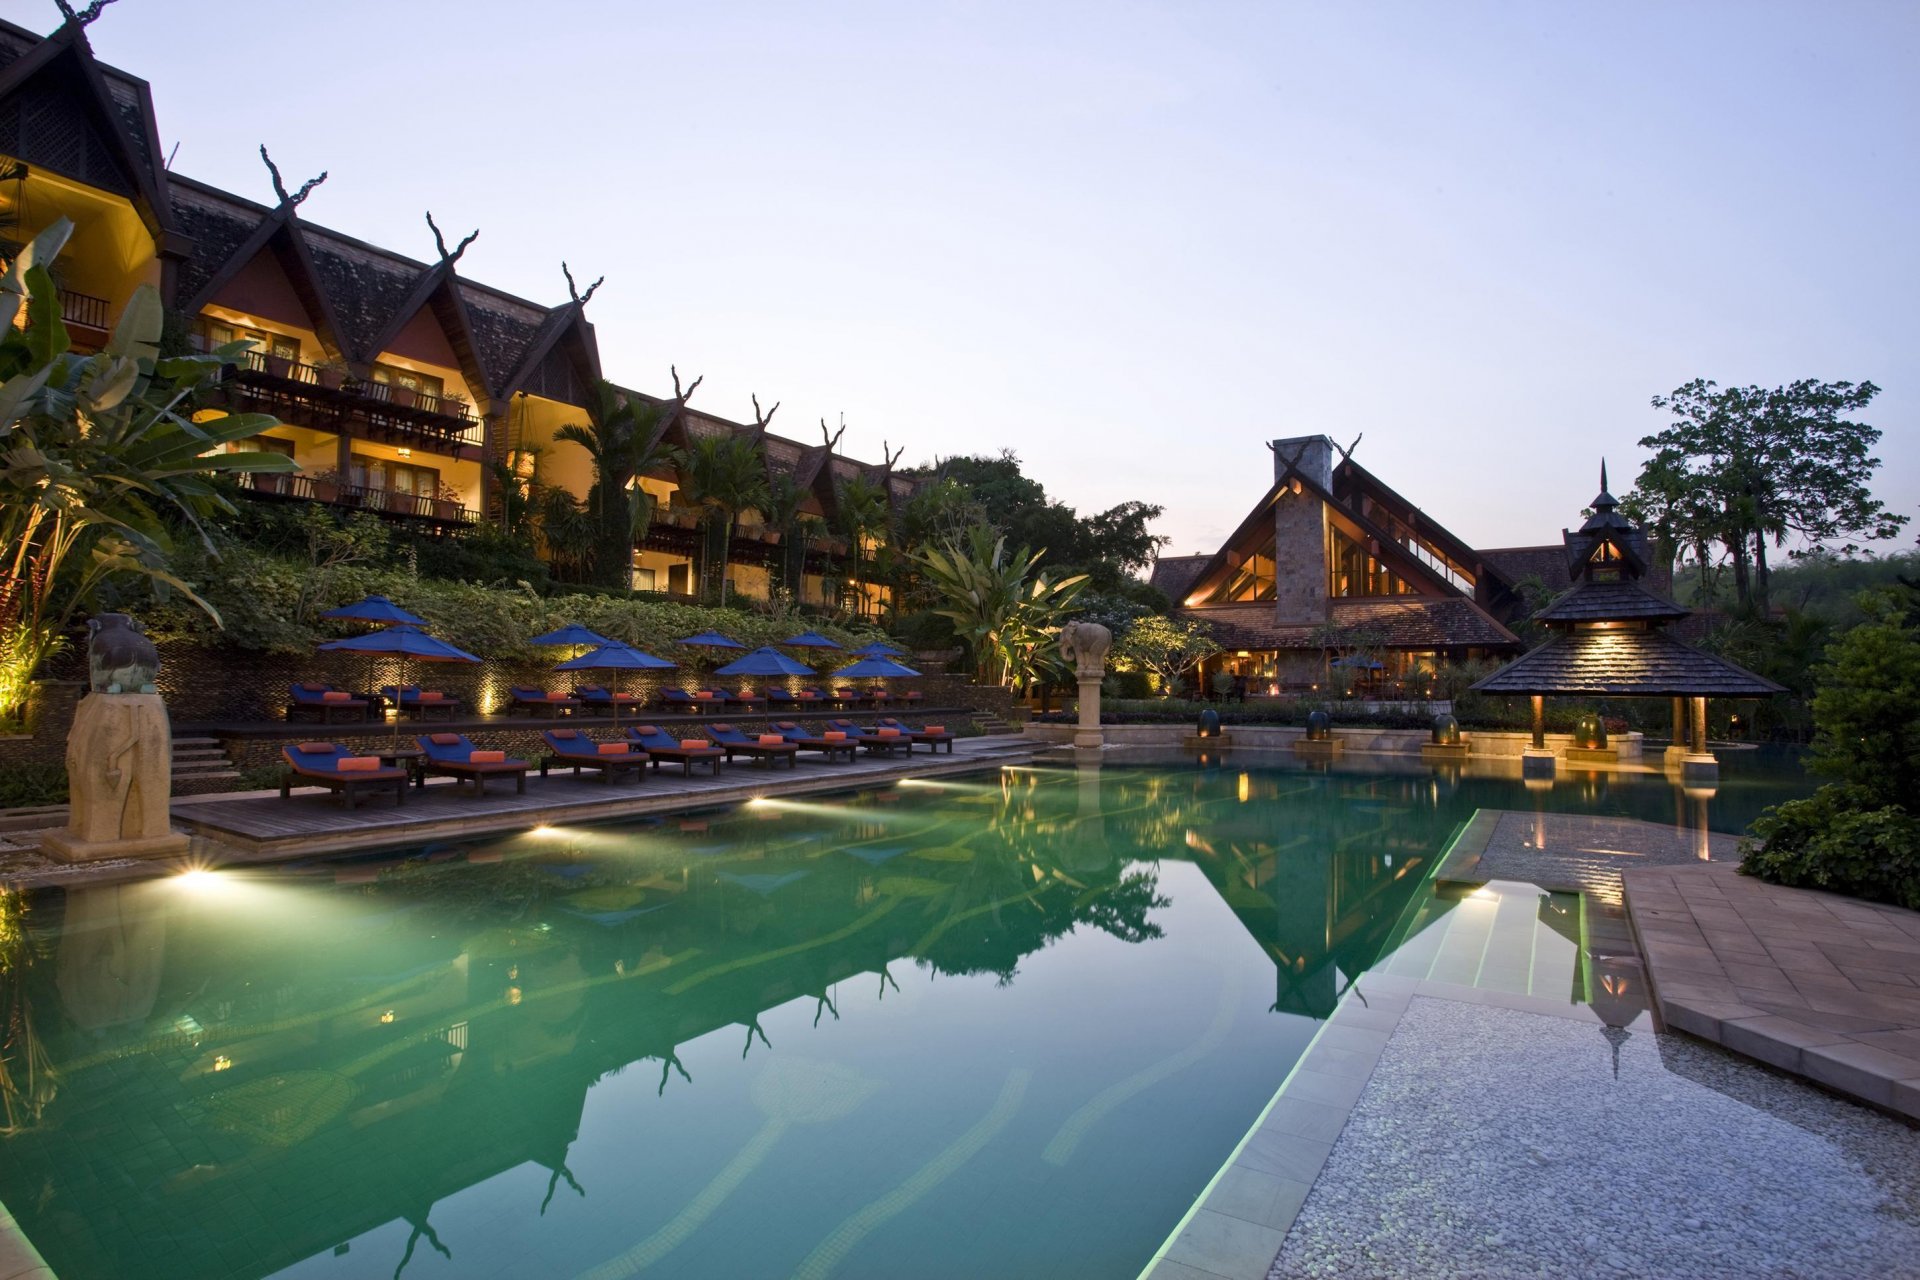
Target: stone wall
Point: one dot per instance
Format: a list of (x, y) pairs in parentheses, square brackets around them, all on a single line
[(1299, 559)]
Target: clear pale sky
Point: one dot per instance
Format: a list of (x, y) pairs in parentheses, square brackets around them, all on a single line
[(1132, 242)]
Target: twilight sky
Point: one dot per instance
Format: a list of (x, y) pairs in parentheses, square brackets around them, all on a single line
[(1132, 242)]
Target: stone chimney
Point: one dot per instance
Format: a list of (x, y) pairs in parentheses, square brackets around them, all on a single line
[(1311, 456)]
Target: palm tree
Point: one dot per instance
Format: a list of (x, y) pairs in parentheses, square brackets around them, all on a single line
[(863, 513), (622, 438), (781, 508), (100, 464), (1000, 605), (723, 475)]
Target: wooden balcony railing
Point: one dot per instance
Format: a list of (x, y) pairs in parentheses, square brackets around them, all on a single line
[(83, 310), (327, 399), (386, 502)]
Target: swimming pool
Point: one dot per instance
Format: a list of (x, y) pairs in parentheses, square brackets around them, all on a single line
[(1004, 1025)]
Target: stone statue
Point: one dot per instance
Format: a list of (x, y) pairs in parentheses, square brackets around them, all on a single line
[(119, 754), (1085, 645), (120, 658)]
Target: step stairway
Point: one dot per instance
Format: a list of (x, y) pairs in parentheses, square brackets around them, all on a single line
[(200, 765), (990, 724)]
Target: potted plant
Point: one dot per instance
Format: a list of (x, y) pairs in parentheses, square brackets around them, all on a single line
[(331, 374), (453, 404), (279, 366), (404, 396), (326, 485), (446, 503)]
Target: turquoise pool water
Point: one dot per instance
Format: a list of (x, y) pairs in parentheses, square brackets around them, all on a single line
[(1002, 1026)]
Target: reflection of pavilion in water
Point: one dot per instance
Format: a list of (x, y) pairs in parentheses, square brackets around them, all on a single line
[(227, 1094)]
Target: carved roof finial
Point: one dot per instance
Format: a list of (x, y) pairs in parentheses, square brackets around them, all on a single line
[(85, 16), (440, 241), (579, 298), (280, 188)]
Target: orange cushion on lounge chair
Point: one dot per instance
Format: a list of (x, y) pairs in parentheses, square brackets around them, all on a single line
[(771, 739), (557, 697), (694, 744), (334, 695), (564, 734), (487, 757), (889, 733), (316, 748), (834, 735), (935, 728), (784, 724), (358, 764), (430, 695), (314, 688), (445, 739), (704, 693), (612, 748)]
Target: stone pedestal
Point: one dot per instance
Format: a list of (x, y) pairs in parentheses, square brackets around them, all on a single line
[(1086, 734), (1699, 768), (119, 781), (1218, 742), (1318, 748), (1445, 752), (1537, 762), (1673, 755), (1604, 757)]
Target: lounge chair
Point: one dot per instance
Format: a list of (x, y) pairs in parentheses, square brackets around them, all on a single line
[(786, 698), (677, 699), (770, 747), (833, 748), (882, 741), (746, 698), (596, 698), (453, 755), (327, 701), (661, 746), (934, 735), (417, 703), (328, 764), (822, 697), (908, 696), (573, 749), (539, 701), (859, 697)]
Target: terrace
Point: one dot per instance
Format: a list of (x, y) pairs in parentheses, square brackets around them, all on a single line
[(326, 398)]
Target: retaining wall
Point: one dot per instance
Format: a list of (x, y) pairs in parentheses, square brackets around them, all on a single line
[(1484, 743)]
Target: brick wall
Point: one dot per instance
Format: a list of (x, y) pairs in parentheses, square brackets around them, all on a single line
[(1299, 559)]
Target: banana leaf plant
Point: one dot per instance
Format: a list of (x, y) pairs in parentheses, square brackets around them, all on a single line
[(102, 464), (1002, 606)]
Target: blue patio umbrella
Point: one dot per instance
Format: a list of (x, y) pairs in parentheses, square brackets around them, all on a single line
[(711, 640), (874, 668), (765, 662), (614, 656), (878, 649), (812, 640), (1358, 663), (375, 609), (574, 634), (403, 641)]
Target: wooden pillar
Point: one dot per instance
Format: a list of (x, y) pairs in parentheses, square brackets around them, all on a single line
[(343, 459), (1680, 730), (1699, 735), (1539, 722)]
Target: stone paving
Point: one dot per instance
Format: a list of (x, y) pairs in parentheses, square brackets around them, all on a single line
[(1568, 851), (1821, 985), (1492, 1142)]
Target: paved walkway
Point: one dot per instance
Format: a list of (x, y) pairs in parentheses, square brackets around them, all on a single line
[(1814, 983)]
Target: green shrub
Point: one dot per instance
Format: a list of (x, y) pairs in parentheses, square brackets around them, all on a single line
[(24, 786), (1835, 840)]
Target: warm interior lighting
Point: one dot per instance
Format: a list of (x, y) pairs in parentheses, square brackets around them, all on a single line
[(404, 452), (386, 1016), (1245, 789)]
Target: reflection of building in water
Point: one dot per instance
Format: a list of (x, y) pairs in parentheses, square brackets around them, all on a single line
[(293, 1089)]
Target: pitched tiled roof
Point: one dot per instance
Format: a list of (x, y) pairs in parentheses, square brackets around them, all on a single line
[(1548, 564), (1624, 664), (1609, 601), (218, 227), (366, 287), (1172, 575), (1414, 623)]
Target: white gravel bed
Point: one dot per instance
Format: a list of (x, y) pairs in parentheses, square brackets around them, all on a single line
[(1493, 1143)]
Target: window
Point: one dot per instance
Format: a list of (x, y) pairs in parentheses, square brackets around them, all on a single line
[(1253, 579), (1353, 571), (395, 477), (421, 384), (216, 333)]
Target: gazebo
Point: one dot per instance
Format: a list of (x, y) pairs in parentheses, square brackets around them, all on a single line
[(1607, 642)]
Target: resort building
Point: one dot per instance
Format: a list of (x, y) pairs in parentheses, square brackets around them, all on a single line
[(400, 382), (1334, 578)]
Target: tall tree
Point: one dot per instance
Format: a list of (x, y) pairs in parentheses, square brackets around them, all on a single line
[(1002, 605), (1751, 468), (622, 438), (722, 475), (863, 515)]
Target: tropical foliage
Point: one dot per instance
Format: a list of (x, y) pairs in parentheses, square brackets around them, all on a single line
[(1859, 833), (621, 437), (102, 467), (1165, 647), (721, 476), (1003, 607)]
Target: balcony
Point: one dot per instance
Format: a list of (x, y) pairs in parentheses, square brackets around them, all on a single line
[(327, 399), (394, 505)]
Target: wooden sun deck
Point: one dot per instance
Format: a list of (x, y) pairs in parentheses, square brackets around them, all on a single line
[(259, 828)]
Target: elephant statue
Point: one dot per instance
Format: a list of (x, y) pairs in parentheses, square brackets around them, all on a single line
[(1085, 645), (120, 659)]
